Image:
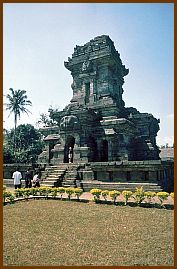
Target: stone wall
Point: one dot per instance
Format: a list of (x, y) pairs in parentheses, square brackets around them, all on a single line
[(160, 172), (8, 169)]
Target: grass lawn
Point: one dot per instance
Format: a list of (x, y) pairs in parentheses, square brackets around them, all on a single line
[(49, 232)]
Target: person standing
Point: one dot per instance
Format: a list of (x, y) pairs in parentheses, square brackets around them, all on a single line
[(70, 156), (17, 176), (28, 178)]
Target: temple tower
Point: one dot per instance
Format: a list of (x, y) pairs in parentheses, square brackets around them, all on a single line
[(98, 75)]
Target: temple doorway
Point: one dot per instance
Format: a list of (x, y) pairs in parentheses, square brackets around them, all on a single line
[(68, 150), (104, 151), (93, 154), (51, 146)]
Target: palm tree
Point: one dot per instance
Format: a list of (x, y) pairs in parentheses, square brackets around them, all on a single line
[(17, 105)]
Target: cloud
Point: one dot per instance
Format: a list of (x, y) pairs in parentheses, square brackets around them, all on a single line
[(165, 140), (170, 116)]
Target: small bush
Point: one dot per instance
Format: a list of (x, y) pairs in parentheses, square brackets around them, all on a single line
[(69, 192), (105, 193), (42, 190), (11, 198), (114, 194), (48, 191), (96, 194), (149, 195), (33, 191), (4, 188), (8, 196), (54, 192), (26, 192), (23, 192), (172, 195), (139, 195), (61, 190), (5, 195), (18, 193), (127, 195), (78, 192), (162, 196)]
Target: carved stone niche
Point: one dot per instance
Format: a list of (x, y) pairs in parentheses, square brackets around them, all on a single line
[(86, 66), (69, 123)]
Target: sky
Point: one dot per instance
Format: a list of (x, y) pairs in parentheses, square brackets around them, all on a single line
[(38, 38)]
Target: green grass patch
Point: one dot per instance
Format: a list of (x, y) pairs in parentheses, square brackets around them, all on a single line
[(55, 232)]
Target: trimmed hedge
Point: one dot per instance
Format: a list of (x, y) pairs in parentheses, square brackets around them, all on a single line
[(139, 195)]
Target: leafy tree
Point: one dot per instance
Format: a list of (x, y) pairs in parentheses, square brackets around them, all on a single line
[(8, 154), (44, 120), (28, 144), (17, 102), (54, 115), (50, 119)]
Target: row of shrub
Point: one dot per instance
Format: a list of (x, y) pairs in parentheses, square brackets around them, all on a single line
[(139, 195), (42, 191)]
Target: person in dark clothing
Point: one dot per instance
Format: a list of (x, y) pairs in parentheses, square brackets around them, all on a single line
[(39, 173), (28, 178)]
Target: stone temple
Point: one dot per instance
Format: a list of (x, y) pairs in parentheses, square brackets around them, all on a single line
[(98, 140)]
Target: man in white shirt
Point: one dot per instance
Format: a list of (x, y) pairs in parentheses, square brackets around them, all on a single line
[(17, 176)]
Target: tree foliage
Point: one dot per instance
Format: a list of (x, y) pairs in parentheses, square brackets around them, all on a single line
[(17, 102), (54, 115), (49, 119), (28, 144), (44, 120)]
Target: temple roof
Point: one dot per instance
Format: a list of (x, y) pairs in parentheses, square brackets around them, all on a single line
[(52, 137)]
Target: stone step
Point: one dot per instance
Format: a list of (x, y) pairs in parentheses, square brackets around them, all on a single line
[(68, 185), (69, 181), (87, 186), (58, 170), (52, 183), (55, 174), (53, 177), (71, 173), (70, 178), (50, 179), (48, 183)]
